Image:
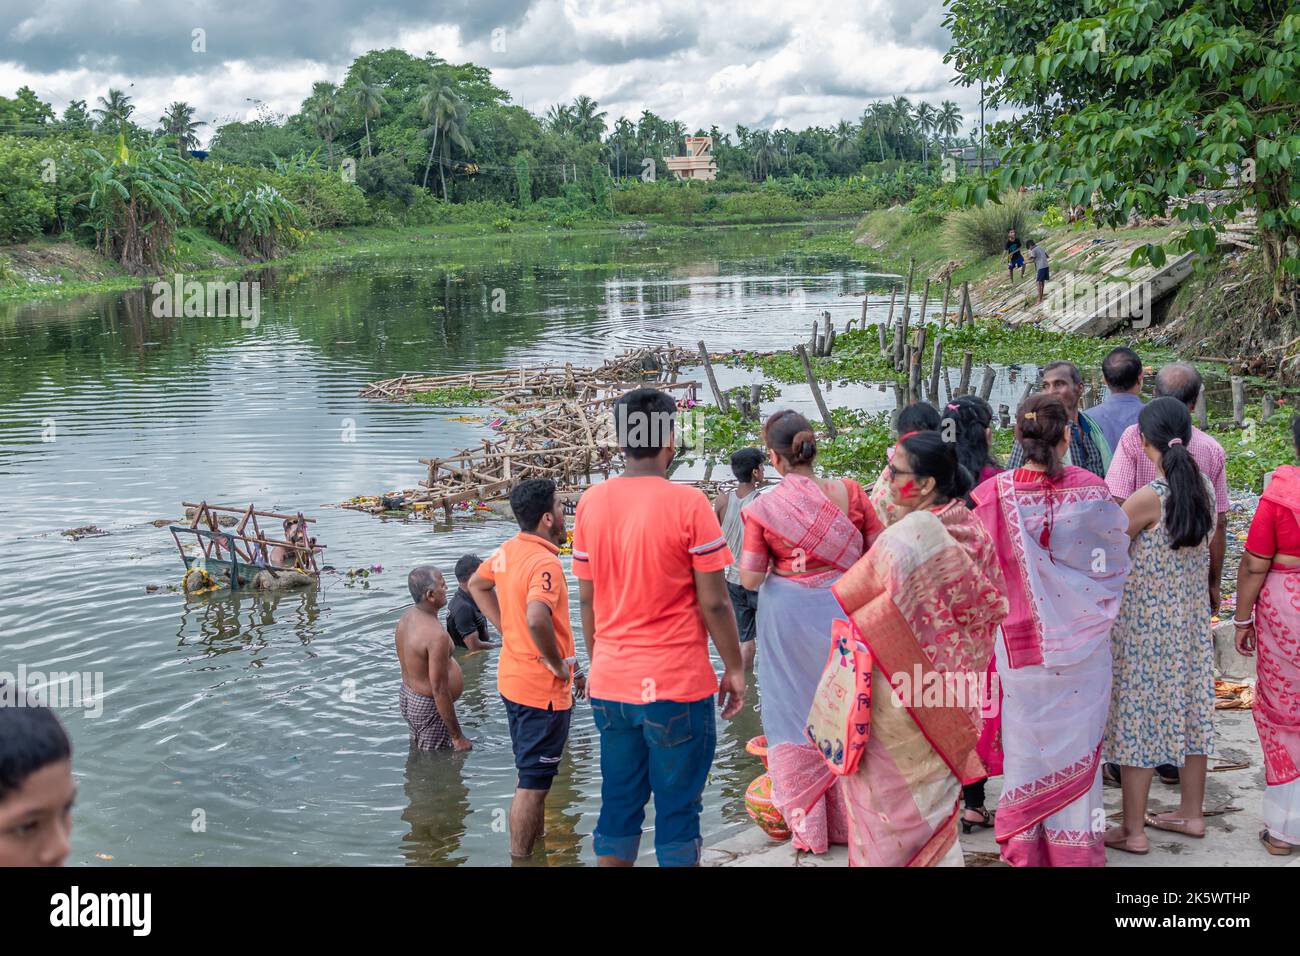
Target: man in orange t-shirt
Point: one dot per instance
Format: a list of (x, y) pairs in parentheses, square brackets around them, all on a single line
[(649, 557), (522, 590)]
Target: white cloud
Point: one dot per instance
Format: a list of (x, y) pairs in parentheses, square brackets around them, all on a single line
[(759, 63)]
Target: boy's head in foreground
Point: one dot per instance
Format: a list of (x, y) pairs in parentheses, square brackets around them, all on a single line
[(36, 785)]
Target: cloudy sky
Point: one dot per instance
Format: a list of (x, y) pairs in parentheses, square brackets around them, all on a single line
[(762, 63)]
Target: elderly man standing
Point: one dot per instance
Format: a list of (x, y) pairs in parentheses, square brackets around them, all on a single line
[(1088, 446), (1132, 470), (1122, 370)]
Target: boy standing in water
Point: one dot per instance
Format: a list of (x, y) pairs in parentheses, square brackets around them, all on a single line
[(522, 590), (649, 556), (431, 678), (36, 785), (747, 466)]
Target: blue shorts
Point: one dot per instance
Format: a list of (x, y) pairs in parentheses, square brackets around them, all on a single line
[(1043, 274), (538, 737), (663, 748), (1017, 260)]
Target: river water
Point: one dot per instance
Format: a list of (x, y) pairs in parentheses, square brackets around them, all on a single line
[(244, 729)]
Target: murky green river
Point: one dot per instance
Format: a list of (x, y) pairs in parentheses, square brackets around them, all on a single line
[(240, 729)]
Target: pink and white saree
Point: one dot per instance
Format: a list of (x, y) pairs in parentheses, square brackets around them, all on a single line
[(925, 601), (794, 628), (1063, 549), (1277, 688)]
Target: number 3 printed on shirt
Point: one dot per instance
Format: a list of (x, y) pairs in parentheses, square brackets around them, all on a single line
[(546, 577)]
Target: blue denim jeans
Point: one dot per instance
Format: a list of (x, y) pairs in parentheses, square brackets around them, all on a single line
[(665, 748)]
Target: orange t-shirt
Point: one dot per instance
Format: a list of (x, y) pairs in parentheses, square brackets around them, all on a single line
[(527, 568), (639, 541)]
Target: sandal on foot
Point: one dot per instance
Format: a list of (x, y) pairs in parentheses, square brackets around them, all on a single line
[(1277, 849), (1173, 825), (1168, 774), (984, 824), (1121, 842)]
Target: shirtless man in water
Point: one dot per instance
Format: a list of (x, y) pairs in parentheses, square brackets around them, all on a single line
[(431, 678)]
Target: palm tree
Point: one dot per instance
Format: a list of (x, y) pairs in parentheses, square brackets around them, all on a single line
[(323, 109), (623, 137), (588, 125), (926, 116), (560, 119), (948, 121), (179, 122), (114, 110), (765, 153), (453, 131), (901, 125), (879, 118), (368, 98), (844, 138), (436, 104)]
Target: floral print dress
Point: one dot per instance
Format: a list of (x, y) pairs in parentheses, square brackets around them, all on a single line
[(1162, 696)]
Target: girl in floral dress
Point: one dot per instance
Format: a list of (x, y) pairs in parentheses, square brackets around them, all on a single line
[(1162, 698)]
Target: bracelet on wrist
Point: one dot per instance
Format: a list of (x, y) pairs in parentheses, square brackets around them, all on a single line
[(1242, 625)]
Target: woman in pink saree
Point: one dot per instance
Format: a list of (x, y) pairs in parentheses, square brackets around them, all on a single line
[(1062, 544), (925, 603), (1268, 620), (808, 531)]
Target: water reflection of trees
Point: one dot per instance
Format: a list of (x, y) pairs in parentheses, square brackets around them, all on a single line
[(427, 309)]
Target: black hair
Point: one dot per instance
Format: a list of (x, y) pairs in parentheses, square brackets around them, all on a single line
[(466, 566), (745, 462), (970, 417), (932, 457), (421, 581), (531, 500), (1121, 368), (1166, 424), (1075, 375), (1030, 243), (31, 737), (789, 435), (1041, 422), (643, 422), (918, 417), (1179, 380), (1295, 432)]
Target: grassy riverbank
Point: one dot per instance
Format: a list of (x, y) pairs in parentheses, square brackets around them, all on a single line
[(58, 268)]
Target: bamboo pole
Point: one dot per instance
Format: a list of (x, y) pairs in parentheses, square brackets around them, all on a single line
[(719, 396), (888, 324), (967, 360), (900, 338), (934, 368), (986, 384), (947, 291), (817, 392)]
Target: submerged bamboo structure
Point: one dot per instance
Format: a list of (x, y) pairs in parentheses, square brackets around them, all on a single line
[(514, 386), (568, 439)]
